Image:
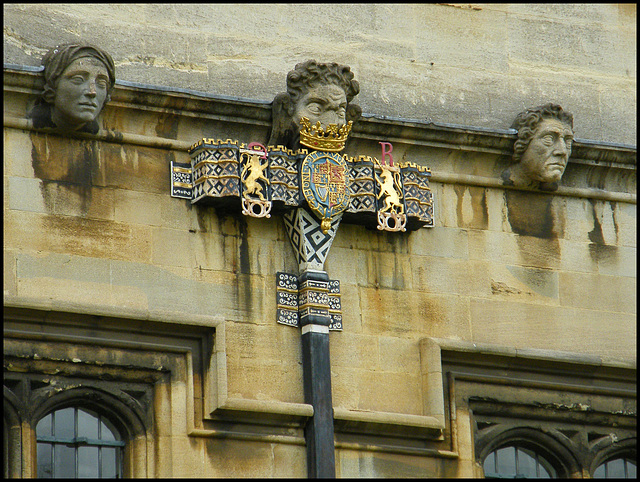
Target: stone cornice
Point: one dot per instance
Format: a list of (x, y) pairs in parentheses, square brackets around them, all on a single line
[(602, 170)]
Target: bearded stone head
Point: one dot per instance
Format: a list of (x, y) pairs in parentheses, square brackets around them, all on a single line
[(321, 92)]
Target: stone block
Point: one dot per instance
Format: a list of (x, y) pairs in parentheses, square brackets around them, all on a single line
[(78, 236), (358, 464), (354, 351), (451, 276), (263, 362), (512, 249), (532, 285), (172, 247), (456, 39), (16, 149), (598, 292), (386, 270), (527, 325), (398, 355), (445, 242), (603, 222), (160, 288), (187, 456), (66, 293), (69, 200), (63, 267), (615, 260), (345, 387), (289, 461), (567, 44), (433, 395), (134, 168), (408, 314), (9, 277), (231, 458), (578, 256), (345, 264), (25, 194), (464, 434), (245, 301), (386, 391), (32, 32), (351, 313), (133, 207), (180, 406)]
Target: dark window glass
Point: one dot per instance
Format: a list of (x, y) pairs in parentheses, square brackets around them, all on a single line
[(620, 468), (45, 460), (78, 443), (517, 462)]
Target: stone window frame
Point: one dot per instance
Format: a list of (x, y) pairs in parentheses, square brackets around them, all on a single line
[(545, 445), (22, 414), (51, 361), (609, 448), (580, 410)]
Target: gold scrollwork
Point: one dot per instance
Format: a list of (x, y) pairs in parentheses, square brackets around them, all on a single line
[(249, 205)]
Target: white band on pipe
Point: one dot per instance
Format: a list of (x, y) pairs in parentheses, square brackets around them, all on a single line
[(315, 329)]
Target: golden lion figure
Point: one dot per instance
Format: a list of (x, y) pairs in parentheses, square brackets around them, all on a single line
[(256, 173), (388, 188)]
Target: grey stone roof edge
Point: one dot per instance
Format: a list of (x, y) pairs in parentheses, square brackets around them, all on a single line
[(374, 117)]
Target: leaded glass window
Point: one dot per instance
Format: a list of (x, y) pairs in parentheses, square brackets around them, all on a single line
[(620, 468), (78, 443), (517, 462)]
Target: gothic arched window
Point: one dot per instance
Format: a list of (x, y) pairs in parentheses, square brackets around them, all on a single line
[(515, 461), (76, 442), (616, 468)]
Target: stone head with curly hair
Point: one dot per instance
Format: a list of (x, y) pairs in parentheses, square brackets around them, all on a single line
[(322, 92), (78, 80), (543, 147)]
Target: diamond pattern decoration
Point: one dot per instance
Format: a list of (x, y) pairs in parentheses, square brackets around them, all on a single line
[(418, 196), (363, 196), (285, 185), (215, 168), (310, 244)]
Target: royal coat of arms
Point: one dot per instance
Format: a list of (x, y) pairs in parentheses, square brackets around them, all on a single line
[(324, 182)]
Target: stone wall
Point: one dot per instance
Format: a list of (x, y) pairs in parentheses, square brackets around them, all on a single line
[(475, 65)]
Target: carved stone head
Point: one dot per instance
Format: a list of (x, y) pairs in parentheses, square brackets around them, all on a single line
[(543, 147), (321, 92), (78, 80)]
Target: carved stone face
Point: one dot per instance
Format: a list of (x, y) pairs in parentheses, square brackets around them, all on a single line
[(324, 103), (80, 94), (548, 152)]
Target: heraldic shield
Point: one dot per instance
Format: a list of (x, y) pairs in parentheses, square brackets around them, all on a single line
[(325, 185)]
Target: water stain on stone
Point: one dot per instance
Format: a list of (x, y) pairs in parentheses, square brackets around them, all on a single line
[(598, 248), (533, 214), (536, 215), (167, 126), (241, 262), (478, 217), (64, 163)]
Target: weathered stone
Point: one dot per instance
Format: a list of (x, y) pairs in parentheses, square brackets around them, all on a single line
[(541, 326)]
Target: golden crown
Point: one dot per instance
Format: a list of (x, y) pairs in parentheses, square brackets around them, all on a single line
[(315, 137)]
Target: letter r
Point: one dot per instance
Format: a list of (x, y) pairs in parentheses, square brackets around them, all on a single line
[(386, 152)]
